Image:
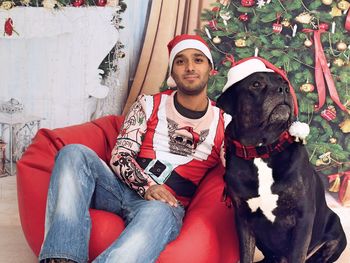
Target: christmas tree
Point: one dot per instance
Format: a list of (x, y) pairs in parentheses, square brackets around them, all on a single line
[(288, 33)]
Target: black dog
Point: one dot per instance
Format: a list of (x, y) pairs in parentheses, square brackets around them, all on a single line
[(279, 198)]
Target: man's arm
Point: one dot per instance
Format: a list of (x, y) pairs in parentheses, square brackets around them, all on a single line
[(124, 154), (123, 161)]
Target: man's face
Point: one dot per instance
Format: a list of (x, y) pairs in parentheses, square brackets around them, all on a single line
[(191, 70)]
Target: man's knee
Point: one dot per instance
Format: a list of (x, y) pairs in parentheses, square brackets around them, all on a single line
[(73, 150), (164, 214)]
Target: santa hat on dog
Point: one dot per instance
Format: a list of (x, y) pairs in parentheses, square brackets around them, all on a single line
[(247, 67), (183, 42)]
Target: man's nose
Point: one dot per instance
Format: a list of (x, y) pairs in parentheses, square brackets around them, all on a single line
[(190, 66)]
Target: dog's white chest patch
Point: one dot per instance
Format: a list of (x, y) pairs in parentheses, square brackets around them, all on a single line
[(266, 201)]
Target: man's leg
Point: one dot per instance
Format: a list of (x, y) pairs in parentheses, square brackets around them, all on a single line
[(76, 173), (151, 225)]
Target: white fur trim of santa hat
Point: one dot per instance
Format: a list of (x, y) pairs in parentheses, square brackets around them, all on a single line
[(183, 42), (243, 70)]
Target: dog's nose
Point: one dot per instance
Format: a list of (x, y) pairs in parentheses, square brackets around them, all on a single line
[(283, 90)]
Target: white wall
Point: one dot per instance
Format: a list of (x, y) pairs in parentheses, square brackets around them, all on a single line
[(52, 65)]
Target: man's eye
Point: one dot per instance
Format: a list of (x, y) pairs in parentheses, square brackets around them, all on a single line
[(199, 60), (179, 62)]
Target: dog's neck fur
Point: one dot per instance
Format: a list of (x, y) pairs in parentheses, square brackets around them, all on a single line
[(265, 151)]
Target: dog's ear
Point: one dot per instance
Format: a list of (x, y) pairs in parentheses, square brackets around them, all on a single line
[(226, 101)]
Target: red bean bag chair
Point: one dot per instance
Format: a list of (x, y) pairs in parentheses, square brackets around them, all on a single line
[(208, 233)]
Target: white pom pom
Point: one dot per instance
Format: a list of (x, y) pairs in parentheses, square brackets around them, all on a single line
[(171, 82), (299, 130)]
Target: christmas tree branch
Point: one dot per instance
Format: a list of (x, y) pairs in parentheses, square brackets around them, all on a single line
[(312, 154), (301, 1), (216, 48), (332, 165), (285, 10)]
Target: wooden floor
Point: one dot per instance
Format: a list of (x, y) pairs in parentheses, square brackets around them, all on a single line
[(15, 249), (13, 245)]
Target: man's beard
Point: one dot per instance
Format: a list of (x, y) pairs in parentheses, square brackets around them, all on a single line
[(191, 90)]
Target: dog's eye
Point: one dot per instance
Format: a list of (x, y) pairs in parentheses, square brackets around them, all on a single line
[(256, 84)]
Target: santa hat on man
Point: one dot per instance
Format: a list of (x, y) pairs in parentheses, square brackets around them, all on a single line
[(183, 42), (247, 67)]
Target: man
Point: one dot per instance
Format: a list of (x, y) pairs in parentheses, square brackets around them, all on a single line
[(167, 144)]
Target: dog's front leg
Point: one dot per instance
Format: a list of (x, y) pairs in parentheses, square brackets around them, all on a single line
[(301, 238), (246, 240)]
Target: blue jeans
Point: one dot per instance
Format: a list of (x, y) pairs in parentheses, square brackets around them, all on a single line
[(80, 180)]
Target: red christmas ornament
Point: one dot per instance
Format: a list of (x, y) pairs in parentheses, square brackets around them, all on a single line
[(329, 114), (213, 24), (214, 72), (277, 27), (323, 26), (77, 3), (215, 9), (8, 27), (101, 2), (247, 3), (244, 17)]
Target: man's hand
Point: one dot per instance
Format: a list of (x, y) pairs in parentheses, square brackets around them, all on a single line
[(159, 192)]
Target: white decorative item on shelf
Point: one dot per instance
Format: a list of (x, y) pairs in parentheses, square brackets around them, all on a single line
[(2, 158), (17, 129), (11, 106)]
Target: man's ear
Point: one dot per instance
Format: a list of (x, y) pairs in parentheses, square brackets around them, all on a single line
[(226, 101)]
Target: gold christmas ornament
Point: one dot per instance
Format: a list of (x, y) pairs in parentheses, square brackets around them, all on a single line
[(304, 18), (345, 126), (217, 40), (327, 2), (319, 162), (343, 5), (7, 5), (333, 140), (285, 23), (50, 4), (240, 43), (336, 185), (339, 62), (335, 12), (112, 3), (326, 158), (307, 43), (341, 46), (25, 2), (307, 87)]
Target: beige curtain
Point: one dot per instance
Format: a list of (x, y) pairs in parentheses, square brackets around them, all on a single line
[(167, 19)]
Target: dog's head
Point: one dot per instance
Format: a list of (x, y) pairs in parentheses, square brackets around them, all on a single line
[(262, 106)]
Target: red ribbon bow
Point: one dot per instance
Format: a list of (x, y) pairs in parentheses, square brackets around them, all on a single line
[(344, 185), (347, 22), (230, 58), (323, 73)]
